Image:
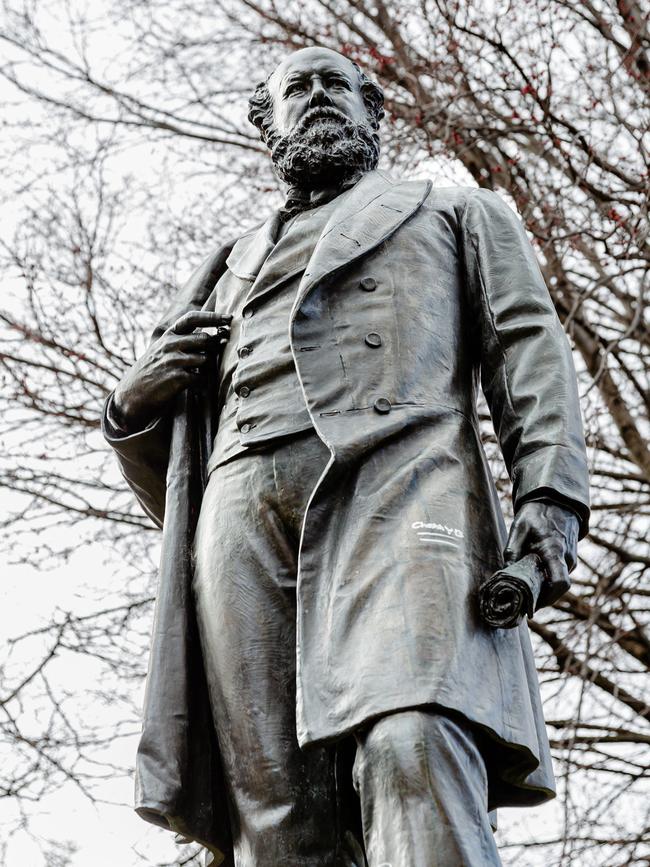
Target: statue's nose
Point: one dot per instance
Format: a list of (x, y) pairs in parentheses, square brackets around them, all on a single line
[(319, 95)]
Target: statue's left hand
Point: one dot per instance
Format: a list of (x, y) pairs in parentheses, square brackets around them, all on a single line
[(550, 531)]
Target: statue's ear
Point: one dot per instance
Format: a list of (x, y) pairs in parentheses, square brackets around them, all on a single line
[(373, 97), (260, 111)]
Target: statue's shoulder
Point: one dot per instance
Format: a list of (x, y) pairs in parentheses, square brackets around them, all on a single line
[(464, 203), (456, 196), (437, 197), (448, 202), (466, 195)]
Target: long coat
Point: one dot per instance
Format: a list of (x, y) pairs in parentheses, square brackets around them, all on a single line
[(413, 296)]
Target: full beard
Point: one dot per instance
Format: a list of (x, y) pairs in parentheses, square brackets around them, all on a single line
[(324, 151)]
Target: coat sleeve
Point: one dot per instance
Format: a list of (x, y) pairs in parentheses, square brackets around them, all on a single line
[(143, 457), (527, 370)]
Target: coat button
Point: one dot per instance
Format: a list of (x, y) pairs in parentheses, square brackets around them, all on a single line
[(373, 339), (368, 284), (244, 391), (382, 405), (245, 428), (245, 351)]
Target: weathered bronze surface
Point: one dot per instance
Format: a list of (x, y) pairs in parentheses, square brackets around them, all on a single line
[(323, 689)]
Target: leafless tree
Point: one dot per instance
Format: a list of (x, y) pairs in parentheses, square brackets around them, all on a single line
[(545, 101)]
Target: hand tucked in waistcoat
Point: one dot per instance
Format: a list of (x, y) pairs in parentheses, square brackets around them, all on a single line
[(169, 365)]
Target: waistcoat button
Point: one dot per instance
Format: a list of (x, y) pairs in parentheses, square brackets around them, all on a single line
[(248, 313), (245, 428), (373, 339), (368, 284), (382, 405), (244, 391), (245, 351)]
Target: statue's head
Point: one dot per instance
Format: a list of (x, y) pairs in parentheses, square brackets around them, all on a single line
[(319, 115)]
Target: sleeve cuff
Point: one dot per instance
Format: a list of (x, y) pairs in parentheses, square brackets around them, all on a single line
[(549, 496), (555, 473), (113, 430)]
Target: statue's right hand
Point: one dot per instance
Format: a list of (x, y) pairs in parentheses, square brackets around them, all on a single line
[(169, 365)]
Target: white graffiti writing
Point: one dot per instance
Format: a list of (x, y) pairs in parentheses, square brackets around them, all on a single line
[(441, 528)]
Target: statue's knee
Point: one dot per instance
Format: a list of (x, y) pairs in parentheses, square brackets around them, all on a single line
[(395, 749)]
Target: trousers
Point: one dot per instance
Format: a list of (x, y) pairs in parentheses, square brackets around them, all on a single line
[(418, 776)]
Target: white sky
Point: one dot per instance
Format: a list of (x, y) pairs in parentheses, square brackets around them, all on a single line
[(105, 835)]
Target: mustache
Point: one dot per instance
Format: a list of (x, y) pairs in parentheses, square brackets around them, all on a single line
[(320, 113)]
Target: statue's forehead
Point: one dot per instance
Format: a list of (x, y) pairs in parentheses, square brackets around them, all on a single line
[(311, 60)]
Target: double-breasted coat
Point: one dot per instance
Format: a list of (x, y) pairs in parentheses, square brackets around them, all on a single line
[(405, 521)]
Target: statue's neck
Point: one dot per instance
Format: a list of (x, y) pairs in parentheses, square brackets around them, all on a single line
[(329, 192), (301, 199)]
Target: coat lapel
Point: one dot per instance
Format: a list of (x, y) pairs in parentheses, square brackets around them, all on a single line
[(293, 251), (250, 252), (376, 208)]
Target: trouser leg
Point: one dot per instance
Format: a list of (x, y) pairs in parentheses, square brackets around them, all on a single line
[(283, 805), (423, 789)]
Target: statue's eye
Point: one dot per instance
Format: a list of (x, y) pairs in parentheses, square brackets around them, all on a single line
[(294, 87)]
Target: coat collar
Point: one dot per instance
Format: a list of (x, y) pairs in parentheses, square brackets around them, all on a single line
[(370, 213), (251, 250)]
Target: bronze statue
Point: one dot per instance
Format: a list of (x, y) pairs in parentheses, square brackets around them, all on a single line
[(323, 690)]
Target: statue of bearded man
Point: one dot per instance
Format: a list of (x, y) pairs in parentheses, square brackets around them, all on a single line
[(322, 690)]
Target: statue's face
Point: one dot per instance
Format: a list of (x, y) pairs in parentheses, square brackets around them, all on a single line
[(313, 78), (321, 135)]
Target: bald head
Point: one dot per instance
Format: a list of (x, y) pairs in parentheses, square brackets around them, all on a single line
[(308, 58)]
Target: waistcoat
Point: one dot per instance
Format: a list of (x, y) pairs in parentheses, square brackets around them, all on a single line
[(259, 388)]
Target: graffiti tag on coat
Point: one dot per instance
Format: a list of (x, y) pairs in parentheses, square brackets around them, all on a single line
[(431, 532)]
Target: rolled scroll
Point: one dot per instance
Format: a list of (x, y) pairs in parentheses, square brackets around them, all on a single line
[(511, 594)]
